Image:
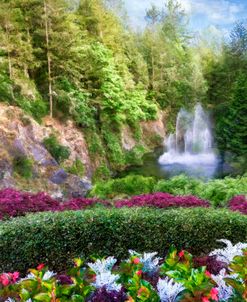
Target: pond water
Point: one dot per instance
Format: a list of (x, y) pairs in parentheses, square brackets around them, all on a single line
[(151, 167)]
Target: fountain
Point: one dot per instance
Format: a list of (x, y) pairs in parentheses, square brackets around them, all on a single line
[(190, 149)]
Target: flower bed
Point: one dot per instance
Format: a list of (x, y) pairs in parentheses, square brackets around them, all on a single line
[(162, 200), (142, 277), (239, 203), (15, 203), (56, 238)]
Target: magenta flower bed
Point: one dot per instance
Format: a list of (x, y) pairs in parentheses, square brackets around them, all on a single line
[(239, 203), (14, 203), (162, 200)]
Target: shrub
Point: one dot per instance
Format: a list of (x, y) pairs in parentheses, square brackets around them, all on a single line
[(102, 173), (134, 156), (14, 203), (218, 191), (56, 238), (162, 200), (178, 185), (59, 152), (239, 203), (77, 168), (130, 185), (23, 166)]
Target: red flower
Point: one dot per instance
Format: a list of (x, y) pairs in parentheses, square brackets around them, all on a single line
[(208, 274), (4, 279), (205, 299), (181, 254), (214, 294), (40, 266), (15, 276), (136, 261), (139, 273)]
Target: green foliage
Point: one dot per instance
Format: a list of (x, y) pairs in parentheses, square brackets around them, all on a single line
[(134, 156), (59, 152), (238, 268), (217, 191), (232, 125), (29, 240), (180, 267), (23, 166), (94, 143), (102, 173), (36, 108), (74, 102), (77, 168), (128, 186), (115, 153)]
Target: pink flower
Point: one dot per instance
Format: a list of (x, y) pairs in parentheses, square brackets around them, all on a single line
[(4, 279), (208, 274), (139, 273), (15, 276), (181, 254), (205, 299), (214, 294), (40, 266), (136, 261)]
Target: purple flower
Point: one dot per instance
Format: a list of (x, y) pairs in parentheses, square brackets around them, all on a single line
[(239, 203), (162, 200)]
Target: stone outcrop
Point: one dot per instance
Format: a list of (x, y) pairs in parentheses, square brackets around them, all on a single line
[(22, 135)]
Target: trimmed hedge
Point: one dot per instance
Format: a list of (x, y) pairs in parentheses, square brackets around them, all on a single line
[(57, 238)]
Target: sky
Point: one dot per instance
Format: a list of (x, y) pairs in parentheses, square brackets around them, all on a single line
[(218, 14)]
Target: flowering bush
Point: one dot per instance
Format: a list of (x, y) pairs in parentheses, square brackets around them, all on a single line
[(162, 200), (104, 281), (15, 203), (239, 203)]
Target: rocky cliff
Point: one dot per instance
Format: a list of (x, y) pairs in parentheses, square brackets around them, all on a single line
[(22, 136)]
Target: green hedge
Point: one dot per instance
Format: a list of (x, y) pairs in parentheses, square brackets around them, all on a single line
[(56, 238)]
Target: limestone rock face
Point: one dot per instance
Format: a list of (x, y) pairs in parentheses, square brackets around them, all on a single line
[(21, 135)]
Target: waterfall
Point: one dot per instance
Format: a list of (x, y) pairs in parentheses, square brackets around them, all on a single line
[(192, 144)]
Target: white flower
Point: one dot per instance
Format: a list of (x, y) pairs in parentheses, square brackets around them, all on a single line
[(225, 291), (150, 264), (168, 290), (10, 300), (229, 252), (48, 275), (30, 276), (108, 280), (103, 266)]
